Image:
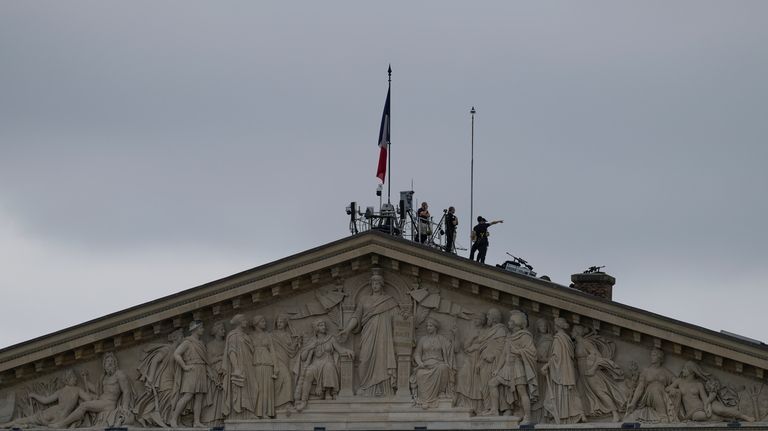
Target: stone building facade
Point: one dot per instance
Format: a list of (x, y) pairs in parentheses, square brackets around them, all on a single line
[(373, 332)]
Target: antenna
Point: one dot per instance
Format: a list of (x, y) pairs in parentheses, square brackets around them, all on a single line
[(472, 174)]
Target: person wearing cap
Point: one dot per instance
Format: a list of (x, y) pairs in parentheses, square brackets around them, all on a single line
[(480, 238), (192, 359)]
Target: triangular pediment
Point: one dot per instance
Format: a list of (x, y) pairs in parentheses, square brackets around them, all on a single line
[(330, 282)]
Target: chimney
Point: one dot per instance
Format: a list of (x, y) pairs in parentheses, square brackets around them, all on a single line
[(595, 283)]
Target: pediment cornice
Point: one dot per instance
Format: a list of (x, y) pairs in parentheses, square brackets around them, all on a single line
[(321, 265)]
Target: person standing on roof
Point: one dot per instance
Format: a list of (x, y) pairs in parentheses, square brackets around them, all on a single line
[(451, 221), (424, 227), (480, 238)]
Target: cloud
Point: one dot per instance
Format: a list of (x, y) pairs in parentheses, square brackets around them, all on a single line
[(47, 287), (176, 145)]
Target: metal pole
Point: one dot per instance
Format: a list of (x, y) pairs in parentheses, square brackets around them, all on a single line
[(472, 177), (389, 144)]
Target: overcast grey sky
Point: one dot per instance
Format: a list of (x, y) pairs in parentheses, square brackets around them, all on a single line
[(147, 147)]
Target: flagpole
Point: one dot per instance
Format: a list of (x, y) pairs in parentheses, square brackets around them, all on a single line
[(472, 175), (389, 144)]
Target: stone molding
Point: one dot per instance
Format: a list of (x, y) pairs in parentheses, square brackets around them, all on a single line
[(353, 249), (386, 331)]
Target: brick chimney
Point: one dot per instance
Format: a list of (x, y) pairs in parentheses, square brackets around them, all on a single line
[(595, 283)]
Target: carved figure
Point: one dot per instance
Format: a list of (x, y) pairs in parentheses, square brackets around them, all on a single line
[(691, 401), (374, 317), (543, 351), (468, 386), (212, 414), (110, 399), (516, 372), (327, 302), (240, 380), (725, 400), (286, 345), (426, 301), (157, 369), (265, 369), (193, 376), (320, 365), (435, 372), (650, 400), (66, 400), (563, 401), (491, 352), (599, 375)]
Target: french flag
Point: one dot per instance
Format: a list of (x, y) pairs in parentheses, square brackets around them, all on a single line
[(381, 171)]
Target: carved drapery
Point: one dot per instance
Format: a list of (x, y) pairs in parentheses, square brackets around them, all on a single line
[(375, 345)]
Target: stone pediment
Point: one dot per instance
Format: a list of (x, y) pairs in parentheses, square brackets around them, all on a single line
[(422, 332)]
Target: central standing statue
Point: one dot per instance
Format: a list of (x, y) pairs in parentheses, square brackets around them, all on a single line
[(374, 317)]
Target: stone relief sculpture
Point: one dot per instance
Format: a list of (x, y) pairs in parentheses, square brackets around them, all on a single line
[(725, 400), (469, 390), (212, 414), (631, 377), (66, 399), (326, 302), (690, 399), (435, 372), (374, 316), (157, 371), (265, 369), (193, 376), (286, 344), (490, 350), (544, 339), (515, 377), (552, 372), (754, 392), (240, 380), (320, 365), (599, 376), (562, 399), (650, 401), (110, 400), (7, 406), (426, 301)]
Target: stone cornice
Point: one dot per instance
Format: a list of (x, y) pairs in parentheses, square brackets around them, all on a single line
[(564, 298), (183, 302), (353, 249)]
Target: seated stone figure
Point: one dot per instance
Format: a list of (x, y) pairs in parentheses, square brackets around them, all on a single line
[(320, 365), (111, 399), (691, 401), (650, 401), (66, 398), (435, 371), (725, 400)]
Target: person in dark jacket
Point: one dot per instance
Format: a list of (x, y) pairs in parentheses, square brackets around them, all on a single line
[(480, 238)]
